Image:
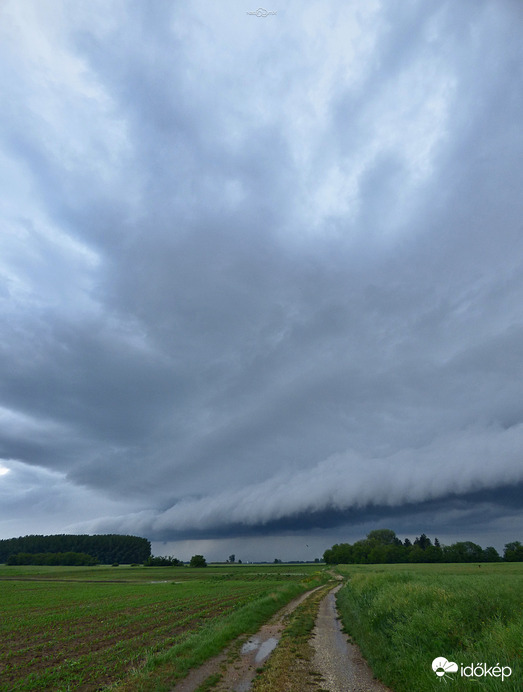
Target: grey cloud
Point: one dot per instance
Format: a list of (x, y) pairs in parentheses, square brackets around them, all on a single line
[(471, 462), (258, 285)]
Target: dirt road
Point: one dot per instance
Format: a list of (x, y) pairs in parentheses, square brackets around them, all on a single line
[(339, 662), (238, 674), (335, 665)]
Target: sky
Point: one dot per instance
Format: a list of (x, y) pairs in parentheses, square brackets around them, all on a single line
[(261, 275)]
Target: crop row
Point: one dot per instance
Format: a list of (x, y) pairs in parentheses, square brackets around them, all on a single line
[(85, 637)]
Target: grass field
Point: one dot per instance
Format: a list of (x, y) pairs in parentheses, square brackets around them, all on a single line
[(140, 629), (86, 629), (405, 616)]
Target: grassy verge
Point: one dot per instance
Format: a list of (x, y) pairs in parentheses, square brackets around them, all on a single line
[(404, 617)]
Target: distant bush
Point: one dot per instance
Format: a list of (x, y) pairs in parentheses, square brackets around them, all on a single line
[(198, 561), (161, 561)]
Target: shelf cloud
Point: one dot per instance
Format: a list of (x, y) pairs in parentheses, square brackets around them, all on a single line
[(261, 275)]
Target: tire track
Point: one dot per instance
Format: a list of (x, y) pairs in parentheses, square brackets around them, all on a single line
[(340, 663)]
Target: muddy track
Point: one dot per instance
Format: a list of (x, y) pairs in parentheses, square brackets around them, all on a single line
[(238, 674), (340, 663), (334, 666)]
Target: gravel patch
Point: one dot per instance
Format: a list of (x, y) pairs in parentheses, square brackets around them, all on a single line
[(341, 664)]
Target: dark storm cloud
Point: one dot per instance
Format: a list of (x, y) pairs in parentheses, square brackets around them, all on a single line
[(476, 509), (267, 288)]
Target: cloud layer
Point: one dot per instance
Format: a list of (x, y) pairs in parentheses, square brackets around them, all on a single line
[(257, 271)]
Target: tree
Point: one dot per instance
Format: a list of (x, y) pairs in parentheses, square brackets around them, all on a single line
[(490, 554), (339, 554), (383, 546), (423, 541), (463, 551), (377, 555), (416, 554), (161, 561), (513, 552), (359, 552), (107, 548), (434, 553), (397, 553), (383, 537), (329, 556), (69, 558), (232, 558), (198, 561)]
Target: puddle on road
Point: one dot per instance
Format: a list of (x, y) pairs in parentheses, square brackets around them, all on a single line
[(239, 675), (253, 652), (262, 648), (251, 645), (265, 649)]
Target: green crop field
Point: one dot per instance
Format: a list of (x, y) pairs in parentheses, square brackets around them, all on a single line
[(130, 628), (405, 616)]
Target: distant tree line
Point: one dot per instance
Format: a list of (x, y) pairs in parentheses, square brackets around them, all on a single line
[(161, 561), (106, 549), (73, 559), (383, 546)]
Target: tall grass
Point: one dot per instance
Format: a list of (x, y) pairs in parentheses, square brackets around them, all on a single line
[(405, 618)]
